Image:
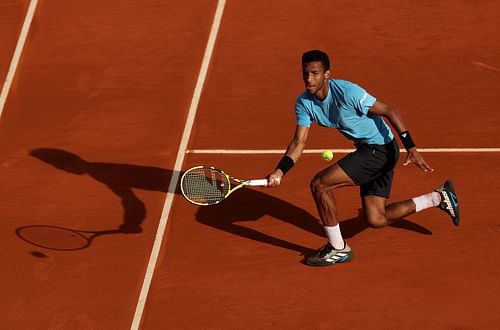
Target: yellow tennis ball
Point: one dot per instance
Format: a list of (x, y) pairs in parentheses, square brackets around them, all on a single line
[(327, 155)]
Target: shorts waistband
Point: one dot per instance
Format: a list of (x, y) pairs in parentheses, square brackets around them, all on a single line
[(390, 146)]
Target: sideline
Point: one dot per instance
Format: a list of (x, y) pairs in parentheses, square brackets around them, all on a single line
[(17, 54), (177, 167)]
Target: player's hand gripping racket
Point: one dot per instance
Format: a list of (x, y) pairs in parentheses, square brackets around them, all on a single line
[(206, 185)]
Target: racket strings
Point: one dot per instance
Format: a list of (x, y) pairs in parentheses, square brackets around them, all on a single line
[(205, 186)]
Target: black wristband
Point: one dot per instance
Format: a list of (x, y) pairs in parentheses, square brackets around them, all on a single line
[(407, 140), (285, 164)]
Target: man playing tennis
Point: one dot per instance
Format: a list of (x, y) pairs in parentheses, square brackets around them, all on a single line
[(359, 117)]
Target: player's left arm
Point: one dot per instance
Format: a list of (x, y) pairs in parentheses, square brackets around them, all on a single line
[(394, 118)]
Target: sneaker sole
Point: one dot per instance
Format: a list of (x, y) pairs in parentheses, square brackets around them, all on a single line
[(449, 186)]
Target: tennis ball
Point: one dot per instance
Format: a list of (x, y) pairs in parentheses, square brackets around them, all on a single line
[(327, 155)]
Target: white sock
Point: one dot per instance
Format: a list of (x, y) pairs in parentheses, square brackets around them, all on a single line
[(426, 201), (335, 236)]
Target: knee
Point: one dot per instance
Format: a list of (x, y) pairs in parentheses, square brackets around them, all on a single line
[(377, 221), (316, 186)]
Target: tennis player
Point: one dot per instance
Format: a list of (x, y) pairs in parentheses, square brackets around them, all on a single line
[(348, 108)]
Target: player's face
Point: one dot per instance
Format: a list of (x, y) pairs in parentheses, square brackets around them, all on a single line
[(315, 78)]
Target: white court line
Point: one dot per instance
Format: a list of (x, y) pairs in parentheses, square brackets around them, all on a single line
[(17, 54), (177, 167), (340, 151)]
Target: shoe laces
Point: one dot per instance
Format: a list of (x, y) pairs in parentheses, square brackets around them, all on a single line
[(325, 250)]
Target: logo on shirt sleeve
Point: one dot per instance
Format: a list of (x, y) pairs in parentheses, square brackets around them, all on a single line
[(363, 99)]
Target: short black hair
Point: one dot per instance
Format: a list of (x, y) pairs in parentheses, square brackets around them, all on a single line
[(316, 56)]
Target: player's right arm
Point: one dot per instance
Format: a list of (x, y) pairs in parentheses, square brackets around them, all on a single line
[(294, 151)]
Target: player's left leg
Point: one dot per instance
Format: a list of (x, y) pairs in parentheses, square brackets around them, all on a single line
[(380, 214)]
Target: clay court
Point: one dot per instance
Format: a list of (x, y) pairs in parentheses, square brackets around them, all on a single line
[(105, 103)]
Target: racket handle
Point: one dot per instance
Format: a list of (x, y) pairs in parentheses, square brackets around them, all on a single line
[(257, 182)]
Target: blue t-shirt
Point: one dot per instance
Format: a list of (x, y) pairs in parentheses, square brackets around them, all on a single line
[(346, 109)]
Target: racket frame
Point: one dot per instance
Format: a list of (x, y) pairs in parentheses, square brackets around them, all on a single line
[(230, 179)]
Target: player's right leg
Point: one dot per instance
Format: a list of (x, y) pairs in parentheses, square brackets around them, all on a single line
[(322, 186)]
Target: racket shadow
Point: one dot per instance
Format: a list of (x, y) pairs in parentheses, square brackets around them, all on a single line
[(251, 205), (58, 238)]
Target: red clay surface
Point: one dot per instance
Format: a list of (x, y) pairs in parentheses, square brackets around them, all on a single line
[(111, 83)]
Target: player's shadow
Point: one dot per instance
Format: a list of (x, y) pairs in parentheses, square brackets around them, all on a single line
[(121, 179), (252, 204)]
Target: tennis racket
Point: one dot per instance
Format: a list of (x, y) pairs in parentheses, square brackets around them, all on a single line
[(207, 185)]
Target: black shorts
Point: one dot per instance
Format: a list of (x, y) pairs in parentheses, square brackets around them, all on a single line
[(371, 167)]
